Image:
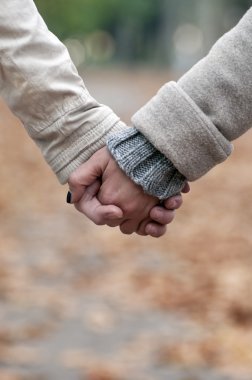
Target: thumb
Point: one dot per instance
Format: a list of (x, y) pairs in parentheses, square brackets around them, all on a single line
[(85, 175), (90, 206)]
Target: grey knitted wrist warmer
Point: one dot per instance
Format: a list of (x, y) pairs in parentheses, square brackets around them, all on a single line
[(144, 164)]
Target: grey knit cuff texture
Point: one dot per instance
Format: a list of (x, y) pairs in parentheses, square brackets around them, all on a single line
[(144, 164)]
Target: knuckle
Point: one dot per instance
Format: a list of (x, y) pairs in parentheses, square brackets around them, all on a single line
[(112, 224), (179, 201), (109, 216), (141, 230), (158, 232), (130, 208), (94, 216), (106, 198), (163, 216), (167, 221), (126, 229), (73, 179), (172, 214), (80, 207), (169, 217), (141, 233), (98, 220)]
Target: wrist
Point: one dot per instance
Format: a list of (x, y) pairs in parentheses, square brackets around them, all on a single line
[(144, 164)]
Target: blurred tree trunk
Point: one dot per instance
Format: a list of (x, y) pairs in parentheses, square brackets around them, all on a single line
[(168, 18), (210, 20), (205, 14)]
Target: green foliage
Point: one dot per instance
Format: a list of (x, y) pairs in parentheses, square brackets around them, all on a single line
[(141, 29), (75, 17)]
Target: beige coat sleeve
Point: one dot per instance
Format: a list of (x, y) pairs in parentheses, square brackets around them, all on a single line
[(193, 121), (43, 89)]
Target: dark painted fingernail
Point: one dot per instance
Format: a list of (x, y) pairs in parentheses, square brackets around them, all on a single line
[(69, 197)]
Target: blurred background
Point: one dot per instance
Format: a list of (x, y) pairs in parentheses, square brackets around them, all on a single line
[(81, 302), (174, 33)]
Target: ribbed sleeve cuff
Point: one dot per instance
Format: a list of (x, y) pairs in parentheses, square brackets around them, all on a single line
[(144, 164)]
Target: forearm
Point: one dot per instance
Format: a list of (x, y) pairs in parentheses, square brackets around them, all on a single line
[(42, 87), (193, 121), (186, 129), (144, 164)]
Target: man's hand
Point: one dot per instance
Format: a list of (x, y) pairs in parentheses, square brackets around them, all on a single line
[(101, 191)]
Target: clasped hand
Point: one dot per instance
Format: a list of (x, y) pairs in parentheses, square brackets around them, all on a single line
[(101, 191)]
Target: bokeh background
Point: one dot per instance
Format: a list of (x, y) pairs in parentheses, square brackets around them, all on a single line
[(81, 302)]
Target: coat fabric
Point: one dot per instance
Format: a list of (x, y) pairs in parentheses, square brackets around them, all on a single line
[(43, 89), (193, 121)]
